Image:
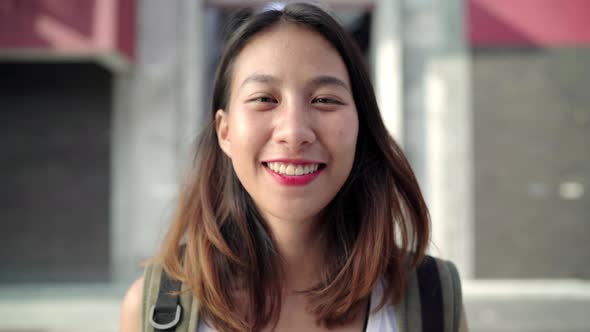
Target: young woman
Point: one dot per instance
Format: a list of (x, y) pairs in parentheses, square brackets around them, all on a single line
[(302, 213)]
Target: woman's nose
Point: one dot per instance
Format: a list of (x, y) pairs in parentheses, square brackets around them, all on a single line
[(293, 128)]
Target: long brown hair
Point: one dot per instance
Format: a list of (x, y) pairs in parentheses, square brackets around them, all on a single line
[(377, 226)]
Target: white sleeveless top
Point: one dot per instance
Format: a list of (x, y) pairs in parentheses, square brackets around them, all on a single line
[(380, 321)]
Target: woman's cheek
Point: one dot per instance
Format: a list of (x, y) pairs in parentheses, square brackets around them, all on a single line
[(250, 127)]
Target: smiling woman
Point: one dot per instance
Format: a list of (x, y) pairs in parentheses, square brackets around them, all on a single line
[(302, 213), (284, 108)]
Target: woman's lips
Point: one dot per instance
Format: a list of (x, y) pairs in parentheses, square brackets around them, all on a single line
[(294, 172)]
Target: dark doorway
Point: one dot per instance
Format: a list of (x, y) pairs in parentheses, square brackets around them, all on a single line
[(55, 172)]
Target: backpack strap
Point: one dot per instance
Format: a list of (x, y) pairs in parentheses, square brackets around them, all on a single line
[(166, 313), (452, 296), (160, 306), (431, 302)]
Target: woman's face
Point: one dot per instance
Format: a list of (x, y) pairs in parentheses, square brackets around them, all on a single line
[(292, 125)]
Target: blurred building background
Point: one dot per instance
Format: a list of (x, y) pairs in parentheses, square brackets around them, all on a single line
[(100, 101)]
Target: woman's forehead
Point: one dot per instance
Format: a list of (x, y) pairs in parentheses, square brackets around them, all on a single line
[(288, 51)]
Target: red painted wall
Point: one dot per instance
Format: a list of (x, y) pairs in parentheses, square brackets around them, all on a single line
[(71, 27), (545, 23)]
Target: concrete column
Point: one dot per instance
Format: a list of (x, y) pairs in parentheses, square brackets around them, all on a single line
[(386, 61), (193, 101), (154, 122), (438, 122), (449, 153)]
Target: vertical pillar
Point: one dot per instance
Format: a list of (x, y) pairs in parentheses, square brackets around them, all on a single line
[(438, 122), (386, 61), (193, 103), (155, 120)]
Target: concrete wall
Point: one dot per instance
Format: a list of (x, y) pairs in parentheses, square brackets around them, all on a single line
[(532, 137)]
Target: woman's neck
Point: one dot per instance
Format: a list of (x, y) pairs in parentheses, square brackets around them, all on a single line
[(299, 242)]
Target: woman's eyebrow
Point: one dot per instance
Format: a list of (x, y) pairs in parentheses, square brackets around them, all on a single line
[(324, 80), (316, 82), (260, 78)]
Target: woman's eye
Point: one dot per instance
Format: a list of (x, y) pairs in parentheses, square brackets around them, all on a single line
[(264, 100), (324, 100)]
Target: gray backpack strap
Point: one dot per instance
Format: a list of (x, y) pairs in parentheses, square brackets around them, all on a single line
[(434, 287), (166, 313), (431, 301), (452, 296), (151, 289), (408, 312)]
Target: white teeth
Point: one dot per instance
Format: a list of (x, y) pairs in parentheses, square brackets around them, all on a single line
[(292, 169), (299, 170)]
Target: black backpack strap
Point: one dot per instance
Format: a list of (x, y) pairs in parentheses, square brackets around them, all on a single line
[(167, 312), (431, 302)]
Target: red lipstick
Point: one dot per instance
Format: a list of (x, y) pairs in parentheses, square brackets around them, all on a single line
[(294, 180)]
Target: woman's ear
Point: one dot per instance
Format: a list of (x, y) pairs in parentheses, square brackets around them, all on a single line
[(222, 129)]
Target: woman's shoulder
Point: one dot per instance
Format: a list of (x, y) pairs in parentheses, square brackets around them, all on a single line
[(131, 307)]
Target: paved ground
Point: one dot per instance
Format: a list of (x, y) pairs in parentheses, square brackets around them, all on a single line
[(89, 308), (528, 315)]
